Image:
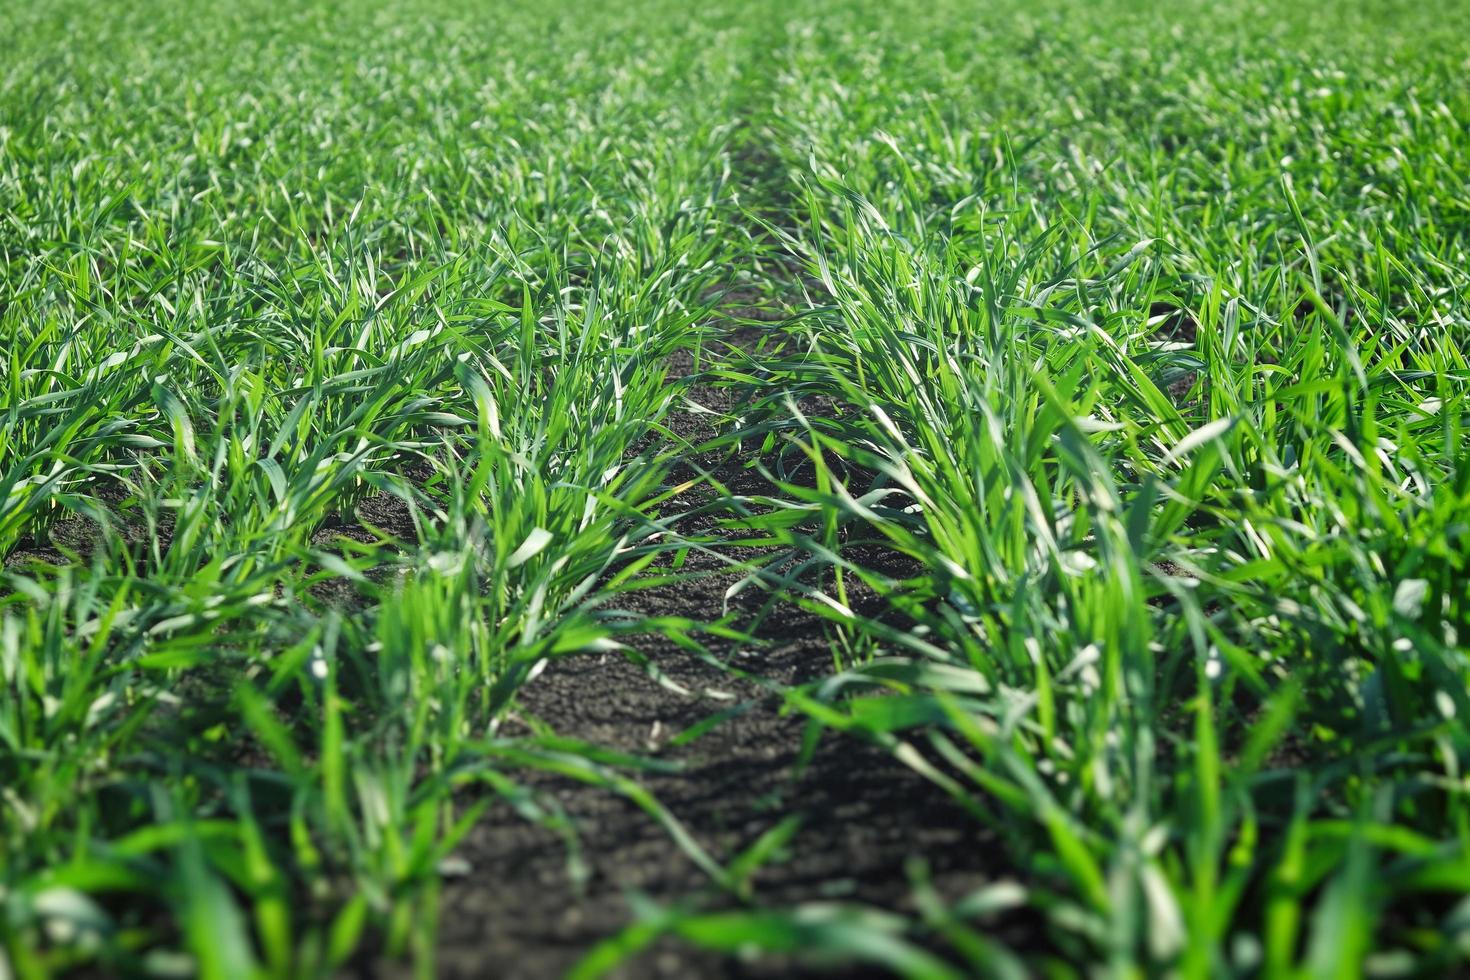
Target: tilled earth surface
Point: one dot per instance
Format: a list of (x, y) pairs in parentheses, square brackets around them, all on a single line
[(520, 912)]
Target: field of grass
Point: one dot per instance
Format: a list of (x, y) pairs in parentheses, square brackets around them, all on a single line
[(1093, 376)]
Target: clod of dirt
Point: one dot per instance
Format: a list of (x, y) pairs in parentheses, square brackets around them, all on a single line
[(1172, 323)]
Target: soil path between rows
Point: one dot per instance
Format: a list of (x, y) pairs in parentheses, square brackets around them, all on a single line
[(517, 911)]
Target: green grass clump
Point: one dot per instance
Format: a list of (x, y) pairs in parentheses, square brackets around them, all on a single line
[(335, 351), (274, 272), (1152, 329)]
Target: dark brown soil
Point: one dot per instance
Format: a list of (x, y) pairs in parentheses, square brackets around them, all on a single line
[(518, 911)]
